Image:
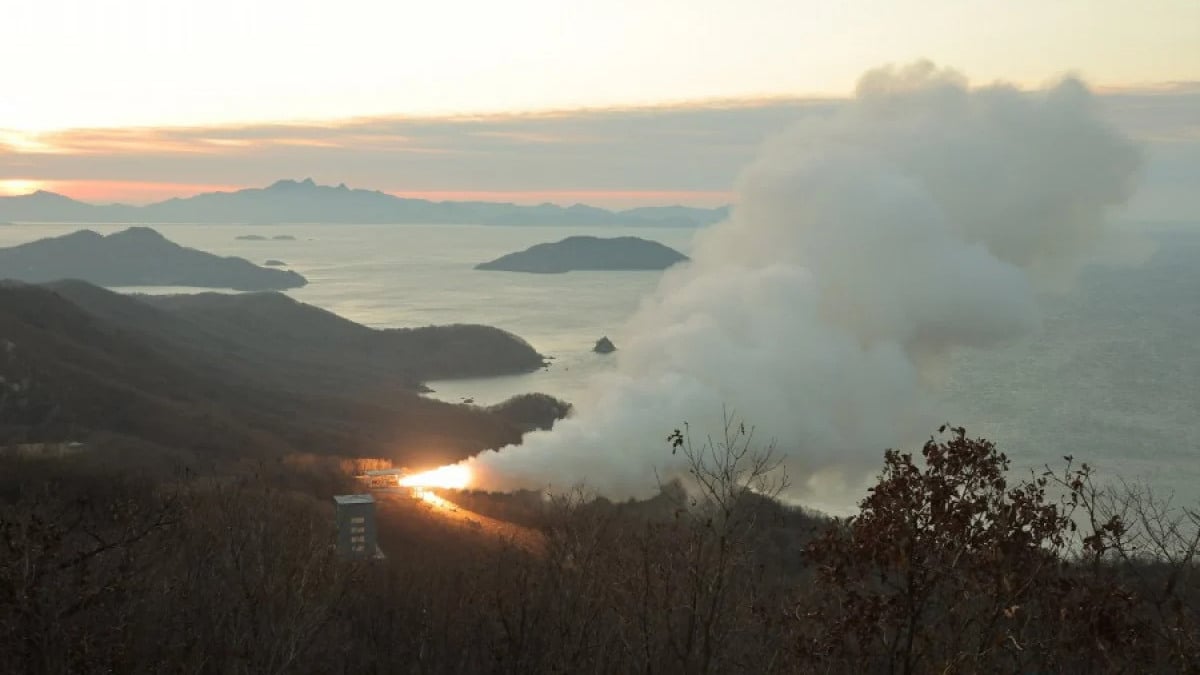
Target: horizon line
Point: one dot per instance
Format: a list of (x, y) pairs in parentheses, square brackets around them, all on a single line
[(532, 197)]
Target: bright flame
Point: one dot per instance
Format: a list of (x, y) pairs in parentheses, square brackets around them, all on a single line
[(454, 476), (432, 498)]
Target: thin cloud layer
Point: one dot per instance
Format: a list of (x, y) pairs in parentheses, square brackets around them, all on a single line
[(636, 154)]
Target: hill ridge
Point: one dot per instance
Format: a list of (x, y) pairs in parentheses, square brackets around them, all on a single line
[(137, 256), (306, 201)]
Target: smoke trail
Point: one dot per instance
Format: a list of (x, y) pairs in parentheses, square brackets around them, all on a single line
[(918, 219)]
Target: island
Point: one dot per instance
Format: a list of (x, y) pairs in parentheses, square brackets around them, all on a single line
[(138, 256), (585, 253), (274, 263), (259, 237), (604, 346)]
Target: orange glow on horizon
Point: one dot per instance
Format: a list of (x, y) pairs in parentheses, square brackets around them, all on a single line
[(109, 191), (144, 192), (11, 187), (453, 476)]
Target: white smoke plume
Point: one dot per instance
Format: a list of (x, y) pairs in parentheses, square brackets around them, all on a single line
[(917, 219)]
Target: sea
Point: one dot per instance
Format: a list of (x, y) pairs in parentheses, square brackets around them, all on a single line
[(1111, 377)]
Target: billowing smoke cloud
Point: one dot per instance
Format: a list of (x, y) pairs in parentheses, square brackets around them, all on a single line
[(865, 246)]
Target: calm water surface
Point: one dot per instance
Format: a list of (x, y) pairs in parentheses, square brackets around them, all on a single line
[(1111, 377)]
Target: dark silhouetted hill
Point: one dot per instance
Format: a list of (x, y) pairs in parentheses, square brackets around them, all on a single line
[(532, 411), (225, 376), (290, 201), (138, 256), (588, 253), (272, 328)]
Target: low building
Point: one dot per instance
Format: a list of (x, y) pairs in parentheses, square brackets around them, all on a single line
[(356, 531)]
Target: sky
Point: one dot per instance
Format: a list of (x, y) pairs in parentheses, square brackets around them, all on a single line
[(523, 100)]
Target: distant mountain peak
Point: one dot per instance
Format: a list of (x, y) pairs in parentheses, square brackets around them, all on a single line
[(81, 235), (46, 195), (138, 232), (291, 184)]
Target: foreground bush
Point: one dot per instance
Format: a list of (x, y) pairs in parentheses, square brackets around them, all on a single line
[(950, 566)]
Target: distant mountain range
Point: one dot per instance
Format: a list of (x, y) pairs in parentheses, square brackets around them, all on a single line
[(290, 201)]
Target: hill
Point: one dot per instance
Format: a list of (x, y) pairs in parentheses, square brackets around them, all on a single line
[(202, 375), (138, 256), (290, 201), (272, 328), (588, 253)]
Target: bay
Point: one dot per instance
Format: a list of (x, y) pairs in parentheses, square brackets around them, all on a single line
[(1111, 376)]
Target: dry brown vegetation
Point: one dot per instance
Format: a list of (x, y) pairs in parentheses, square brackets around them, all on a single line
[(951, 566)]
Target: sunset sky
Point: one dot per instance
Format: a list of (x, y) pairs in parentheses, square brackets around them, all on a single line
[(608, 102)]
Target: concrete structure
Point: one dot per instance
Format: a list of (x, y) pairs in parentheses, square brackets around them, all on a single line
[(43, 450), (382, 478), (357, 535)]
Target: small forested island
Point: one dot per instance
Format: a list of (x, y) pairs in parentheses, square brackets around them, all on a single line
[(604, 346), (275, 263), (259, 237), (138, 256), (585, 253)]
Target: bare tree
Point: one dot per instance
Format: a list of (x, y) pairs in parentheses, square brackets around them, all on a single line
[(730, 477)]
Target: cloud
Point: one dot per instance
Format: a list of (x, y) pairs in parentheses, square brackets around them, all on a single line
[(686, 148), (681, 151)]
